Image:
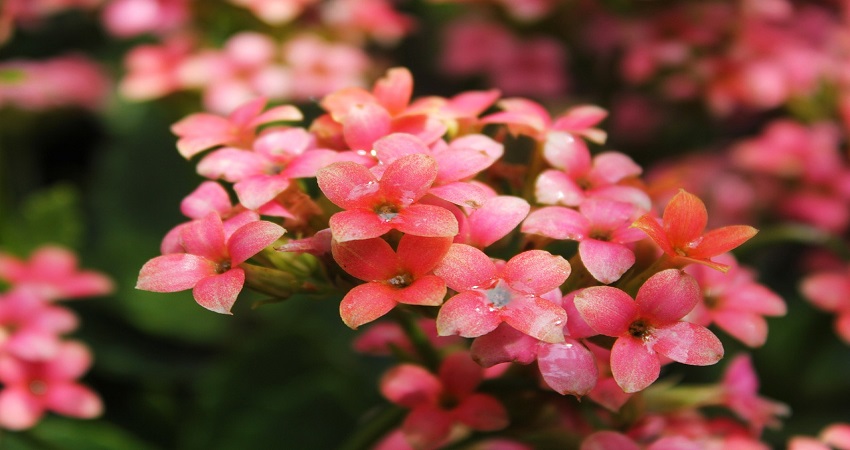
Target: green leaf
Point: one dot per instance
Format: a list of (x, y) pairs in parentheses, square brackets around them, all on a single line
[(52, 215), (60, 433)]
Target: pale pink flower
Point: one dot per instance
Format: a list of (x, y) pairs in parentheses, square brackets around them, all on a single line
[(51, 273), (734, 301), (68, 80), (384, 338), (489, 295), (318, 67), (210, 264), (523, 116), (33, 388), (740, 385), (403, 276), (377, 19), (648, 326), (275, 12), (152, 70), (834, 436), (126, 18), (374, 207), (830, 291), (30, 328), (439, 403)]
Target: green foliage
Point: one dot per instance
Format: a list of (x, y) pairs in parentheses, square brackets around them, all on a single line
[(52, 215)]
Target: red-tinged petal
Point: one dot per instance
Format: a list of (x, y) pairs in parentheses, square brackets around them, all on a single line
[(256, 191), (576, 326), (426, 220), (53, 262), (423, 126), (536, 271), (721, 240), (393, 91), (365, 303), (71, 362), (465, 267), (536, 317), (358, 224), (409, 385), (251, 238), (531, 113), (608, 440), (684, 219), (364, 124), (827, 291), (466, 157), (397, 145), (340, 102), (283, 113), (482, 412), (667, 296), (836, 435), (649, 225), (32, 345), (310, 162), (208, 197), (461, 193), (218, 293), (557, 222), (460, 375), (611, 167), (238, 221), (504, 344), (757, 299), (688, 343), (842, 327), (607, 215), (557, 188), (607, 310), (73, 400), (19, 409), (467, 314), (606, 261), (408, 178), (427, 427), (568, 368), (201, 124), (426, 291), (608, 394), (420, 255), (749, 328), (205, 237), (367, 259), (231, 164), (348, 185), (174, 272), (495, 219), (247, 112), (568, 153), (633, 365), (580, 118)]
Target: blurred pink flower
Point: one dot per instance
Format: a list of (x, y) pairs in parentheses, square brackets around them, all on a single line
[(51, 273)]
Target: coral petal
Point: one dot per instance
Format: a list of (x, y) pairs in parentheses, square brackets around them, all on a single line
[(465, 267), (251, 238), (568, 368), (365, 303), (367, 259), (218, 293), (467, 314), (174, 272), (536, 317), (607, 310), (633, 365), (536, 271)]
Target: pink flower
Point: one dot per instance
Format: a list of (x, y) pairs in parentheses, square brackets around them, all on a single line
[(374, 207), (275, 12), (438, 403), (526, 117), (392, 277), (488, 295), (30, 328), (648, 325), (152, 70), (319, 67), (126, 18), (830, 291), (734, 301), (51, 274), (602, 228), (683, 235), (740, 385), (210, 264), (32, 388)]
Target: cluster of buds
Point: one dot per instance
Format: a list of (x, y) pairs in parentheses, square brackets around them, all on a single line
[(457, 221), (39, 366)]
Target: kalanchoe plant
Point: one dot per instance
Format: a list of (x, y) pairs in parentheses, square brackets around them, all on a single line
[(418, 221)]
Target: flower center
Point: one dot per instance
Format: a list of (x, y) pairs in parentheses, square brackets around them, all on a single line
[(401, 280), (500, 294), (38, 387), (387, 212), (222, 267), (639, 329)]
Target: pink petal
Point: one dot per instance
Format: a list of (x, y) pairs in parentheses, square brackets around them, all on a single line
[(73, 400), (364, 124), (208, 197), (461, 193), (218, 293), (611, 167), (465, 267), (536, 271), (257, 190), (557, 222), (427, 427), (420, 254), (367, 259), (358, 224), (251, 238), (238, 221), (425, 127), (606, 261), (348, 185), (71, 362), (460, 374), (394, 90), (567, 152), (482, 413), (607, 310), (365, 303), (174, 272), (576, 326), (231, 164), (749, 328), (667, 296), (649, 225), (557, 188), (19, 409), (340, 102), (684, 219), (608, 440), (468, 314), (205, 237), (466, 157), (504, 344), (688, 343), (536, 317), (608, 394), (426, 291), (757, 299), (495, 219), (633, 365), (426, 220), (408, 179), (580, 117), (247, 111), (283, 113), (308, 164), (409, 385), (390, 148), (568, 368)]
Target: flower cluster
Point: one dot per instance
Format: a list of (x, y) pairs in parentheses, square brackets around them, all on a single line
[(39, 367)]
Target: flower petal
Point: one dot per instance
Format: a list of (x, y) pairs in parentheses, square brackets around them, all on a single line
[(409, 385), (684, 219), (468, 314), (536, 271), (364, 124), (19, 409), (465, 267), (495, 219), (218, 293), (606, 261), (426, 220), (607, 310), (504, 344), (482, 413), (257, 190), (688, 343), (251, 238), (420, 254), (367, 259), (73, 400), (460, 374), (749, 328), (358, 224), (633, 365), (721, 240), (205, 237), (427, 427), (174, 272), (348, 185), (536, 317), (557, 222), (667, 296), (426, 291), (568, 368), (366, 303), (408, 179)]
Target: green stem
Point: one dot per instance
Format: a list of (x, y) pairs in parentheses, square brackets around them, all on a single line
[(427, 352), (375, 428), (802, 234)]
